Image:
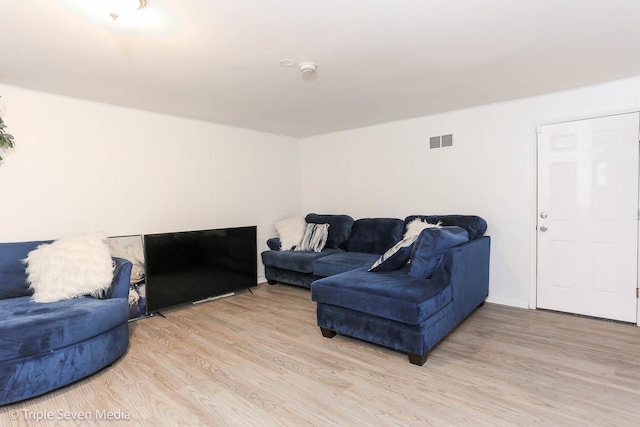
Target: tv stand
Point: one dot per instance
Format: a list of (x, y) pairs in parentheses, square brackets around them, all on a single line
[(230, 294)]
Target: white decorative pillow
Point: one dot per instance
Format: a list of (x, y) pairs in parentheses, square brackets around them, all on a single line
[(290, 232), (314, 238), (70, 267), (416, 226)]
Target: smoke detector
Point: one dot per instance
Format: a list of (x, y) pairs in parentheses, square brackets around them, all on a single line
[(307, 68)]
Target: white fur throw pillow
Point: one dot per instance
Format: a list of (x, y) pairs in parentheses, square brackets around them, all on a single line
[(416, 226), (290, 232), (69, 267)]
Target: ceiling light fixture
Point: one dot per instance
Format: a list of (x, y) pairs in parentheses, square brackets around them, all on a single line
[(119, 8), (287, 62)]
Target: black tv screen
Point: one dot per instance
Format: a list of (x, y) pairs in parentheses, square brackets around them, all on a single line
[(189, 266)]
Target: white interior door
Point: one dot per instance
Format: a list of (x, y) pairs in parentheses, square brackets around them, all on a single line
[(588, 217)]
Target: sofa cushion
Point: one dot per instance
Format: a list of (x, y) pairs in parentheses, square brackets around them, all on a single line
[(474, 225), (341, 262), (28, 328), (339, 228), (396, 257), (314, 238), (300, 261), (375, 235), (430, 246), (393, 295), (13, 278)]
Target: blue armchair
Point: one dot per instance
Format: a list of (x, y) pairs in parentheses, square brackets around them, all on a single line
[(44, 346)]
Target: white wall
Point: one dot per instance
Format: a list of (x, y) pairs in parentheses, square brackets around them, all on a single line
[(81, 166), (388, 170)]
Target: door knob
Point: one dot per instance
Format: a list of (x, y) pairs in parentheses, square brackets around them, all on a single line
[(543, 215), (543, 228)]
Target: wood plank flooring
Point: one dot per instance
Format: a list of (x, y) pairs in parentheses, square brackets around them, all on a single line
[(260, 360)]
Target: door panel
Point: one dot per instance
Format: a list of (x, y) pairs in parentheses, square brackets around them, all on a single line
[(563, 254), (563, 175), (588, 217)]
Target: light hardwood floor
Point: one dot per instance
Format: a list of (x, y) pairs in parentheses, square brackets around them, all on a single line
[(260, 360)]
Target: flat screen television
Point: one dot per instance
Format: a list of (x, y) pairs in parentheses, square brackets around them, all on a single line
[(189, 266)]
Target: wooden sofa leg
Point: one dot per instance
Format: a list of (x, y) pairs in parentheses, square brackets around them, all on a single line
[(417, 359), (327, 333), (271, 282)]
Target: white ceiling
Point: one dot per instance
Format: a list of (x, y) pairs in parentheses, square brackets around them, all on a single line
[(378, 60)]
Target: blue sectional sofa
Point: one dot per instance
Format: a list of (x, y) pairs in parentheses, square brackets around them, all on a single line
[(351, 244), (44, 346), (405, 308)]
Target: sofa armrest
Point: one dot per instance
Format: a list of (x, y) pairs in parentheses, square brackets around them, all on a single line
[(274, 243), (121, 279), (466, 267)]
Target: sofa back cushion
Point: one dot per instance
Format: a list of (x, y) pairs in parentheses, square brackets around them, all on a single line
[(339, 228), (13, 277), (474, 225), (375, 235), (431, 245)]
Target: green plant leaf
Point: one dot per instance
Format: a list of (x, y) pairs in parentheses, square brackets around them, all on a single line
[(6, 139)]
